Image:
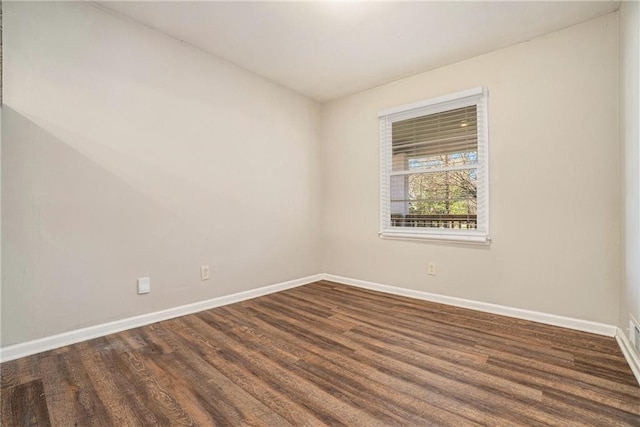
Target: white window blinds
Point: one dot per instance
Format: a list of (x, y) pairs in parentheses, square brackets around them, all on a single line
[(434, 169)]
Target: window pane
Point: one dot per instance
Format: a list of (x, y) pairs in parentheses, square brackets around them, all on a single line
[(403, 162), (435, 199)]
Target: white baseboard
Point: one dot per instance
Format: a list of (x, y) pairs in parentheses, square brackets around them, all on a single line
[(535, 316), (632, 357), (55, 341), (48, 343)]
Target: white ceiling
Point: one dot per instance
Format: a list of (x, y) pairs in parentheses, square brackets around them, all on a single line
[(330, 49)]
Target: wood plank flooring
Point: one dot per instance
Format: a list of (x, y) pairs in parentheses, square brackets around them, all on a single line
[(328, 354)]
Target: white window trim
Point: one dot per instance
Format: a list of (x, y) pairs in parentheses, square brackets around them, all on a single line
[(477, 96)]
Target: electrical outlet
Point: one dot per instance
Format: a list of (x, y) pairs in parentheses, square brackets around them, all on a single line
[(432, 269), (205, 272), (144, 285)]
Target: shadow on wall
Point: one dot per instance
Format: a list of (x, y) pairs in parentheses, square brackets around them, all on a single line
[(75, 237)]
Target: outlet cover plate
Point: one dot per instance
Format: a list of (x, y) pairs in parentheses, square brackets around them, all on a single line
[(144, 285), (431, 269), (205, 272)]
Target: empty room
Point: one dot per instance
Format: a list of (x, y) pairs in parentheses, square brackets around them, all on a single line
[(320, 213)]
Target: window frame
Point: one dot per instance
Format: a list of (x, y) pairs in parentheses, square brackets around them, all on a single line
[(477, 96)]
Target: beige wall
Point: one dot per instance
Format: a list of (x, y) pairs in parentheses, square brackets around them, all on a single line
[(128, 154), (554, 177), (629, 116)]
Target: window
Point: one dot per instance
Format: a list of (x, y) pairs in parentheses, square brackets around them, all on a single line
[(434, 169)]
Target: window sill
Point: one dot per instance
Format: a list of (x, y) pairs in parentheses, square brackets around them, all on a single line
[(462, 238)]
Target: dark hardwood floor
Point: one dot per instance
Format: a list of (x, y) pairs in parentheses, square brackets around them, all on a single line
[(328, 354)]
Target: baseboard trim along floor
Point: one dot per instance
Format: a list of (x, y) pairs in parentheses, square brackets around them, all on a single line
[(518, 313), (48, 343), (55, 341), (629, 354)]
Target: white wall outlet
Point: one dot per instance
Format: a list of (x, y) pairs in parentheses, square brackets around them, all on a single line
[(205, 272), (144, 285), (432, 269)]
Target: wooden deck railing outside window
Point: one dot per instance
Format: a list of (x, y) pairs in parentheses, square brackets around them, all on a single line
[(435, 221)]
